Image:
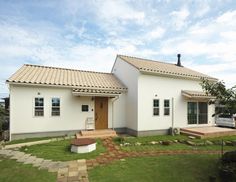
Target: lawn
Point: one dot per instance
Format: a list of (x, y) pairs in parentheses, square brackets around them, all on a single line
[(179, 168), (12, 171), (175, 146), (144, 143), (60, 151), (29, 140)]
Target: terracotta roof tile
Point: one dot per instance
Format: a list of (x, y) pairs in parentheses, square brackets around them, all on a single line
[(168, 69), (196, 94), (33, 74)]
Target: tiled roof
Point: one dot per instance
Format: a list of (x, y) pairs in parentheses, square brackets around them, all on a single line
[(168, 69), (196, 94), (32, 74)]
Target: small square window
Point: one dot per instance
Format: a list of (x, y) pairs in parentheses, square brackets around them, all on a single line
[(166, 103), (155, 103), (85, 108), (156, 111)]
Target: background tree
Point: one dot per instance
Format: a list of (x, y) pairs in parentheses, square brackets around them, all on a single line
[(3, 115), (224, 97)]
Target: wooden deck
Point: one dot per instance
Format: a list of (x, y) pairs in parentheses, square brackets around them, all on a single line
[(208, 131), (104, 133)]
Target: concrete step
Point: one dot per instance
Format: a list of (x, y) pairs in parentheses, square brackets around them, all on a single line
[(97, 134)]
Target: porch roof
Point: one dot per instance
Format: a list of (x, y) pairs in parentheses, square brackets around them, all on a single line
[(192, 94), (95, 92)]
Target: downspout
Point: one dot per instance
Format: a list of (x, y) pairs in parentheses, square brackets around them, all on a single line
[(113, 100), (172, 118)]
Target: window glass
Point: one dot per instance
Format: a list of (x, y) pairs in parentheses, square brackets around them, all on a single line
[(85, 108), (56, 107), (38, 106), (166, 107), (156, 109)]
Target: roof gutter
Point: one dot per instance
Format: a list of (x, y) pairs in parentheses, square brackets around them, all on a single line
[(66, 86)]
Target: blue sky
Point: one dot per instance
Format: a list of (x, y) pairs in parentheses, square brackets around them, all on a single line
[(87, 34)]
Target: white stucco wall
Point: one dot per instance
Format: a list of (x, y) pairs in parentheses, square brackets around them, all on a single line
[(155, 87), (72, 118), (128, 76)]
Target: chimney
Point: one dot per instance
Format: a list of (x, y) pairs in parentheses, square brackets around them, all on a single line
[(179, 61)]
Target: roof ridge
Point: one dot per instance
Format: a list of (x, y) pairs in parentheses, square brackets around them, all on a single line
[(145, 59), (71, 69)]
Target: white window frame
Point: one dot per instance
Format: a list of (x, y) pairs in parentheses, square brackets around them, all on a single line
[(166, 107), (52, 107), (156, 107), (36, 107)]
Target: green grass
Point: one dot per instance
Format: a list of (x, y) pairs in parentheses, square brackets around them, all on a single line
[(178, 146), (146, 145), (191, 168), (147, 139), (29, 140), (12, 171), (60, 151)]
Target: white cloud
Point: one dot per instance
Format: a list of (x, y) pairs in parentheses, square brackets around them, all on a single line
[(202, 8), (155, 33), (118, 10), (228, 17), (179, 17)]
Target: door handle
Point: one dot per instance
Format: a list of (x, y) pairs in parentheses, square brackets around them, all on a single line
[(96, 116)]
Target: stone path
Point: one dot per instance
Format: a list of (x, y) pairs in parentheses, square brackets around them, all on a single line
[(51, 166), (75, 172), (72, 171)]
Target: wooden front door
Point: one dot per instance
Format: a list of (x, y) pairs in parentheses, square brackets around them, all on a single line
[(101, 112)]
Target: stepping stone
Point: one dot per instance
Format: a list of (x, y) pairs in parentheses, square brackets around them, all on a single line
[(73, 173), (82, 168), (30, 160), (45, 164), (23, 158), (37, 162)]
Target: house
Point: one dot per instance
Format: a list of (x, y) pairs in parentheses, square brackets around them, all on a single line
[(139, 97)]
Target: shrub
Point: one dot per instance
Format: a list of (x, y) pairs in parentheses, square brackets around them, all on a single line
[(228, 166)]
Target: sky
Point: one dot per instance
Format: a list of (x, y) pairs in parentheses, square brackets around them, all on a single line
[(88, 34)]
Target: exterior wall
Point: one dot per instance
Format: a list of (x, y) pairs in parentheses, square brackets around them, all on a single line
[(118, 119), (155, 87), (23, 121), (129, 76)]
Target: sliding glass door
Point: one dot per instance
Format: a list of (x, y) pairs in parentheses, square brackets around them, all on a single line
[(192, 112), (197, 113)]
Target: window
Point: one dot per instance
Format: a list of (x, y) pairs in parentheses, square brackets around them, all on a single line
[(55, 107), (197, 113), (156, 108), (85, 108), (166, 107), (38, 106)]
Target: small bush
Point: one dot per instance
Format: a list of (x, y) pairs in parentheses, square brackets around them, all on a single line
[(229, 157), (228, 166), (119, 139)]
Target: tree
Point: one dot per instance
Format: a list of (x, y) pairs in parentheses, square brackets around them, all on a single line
[(3, 115), (223, 96)]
